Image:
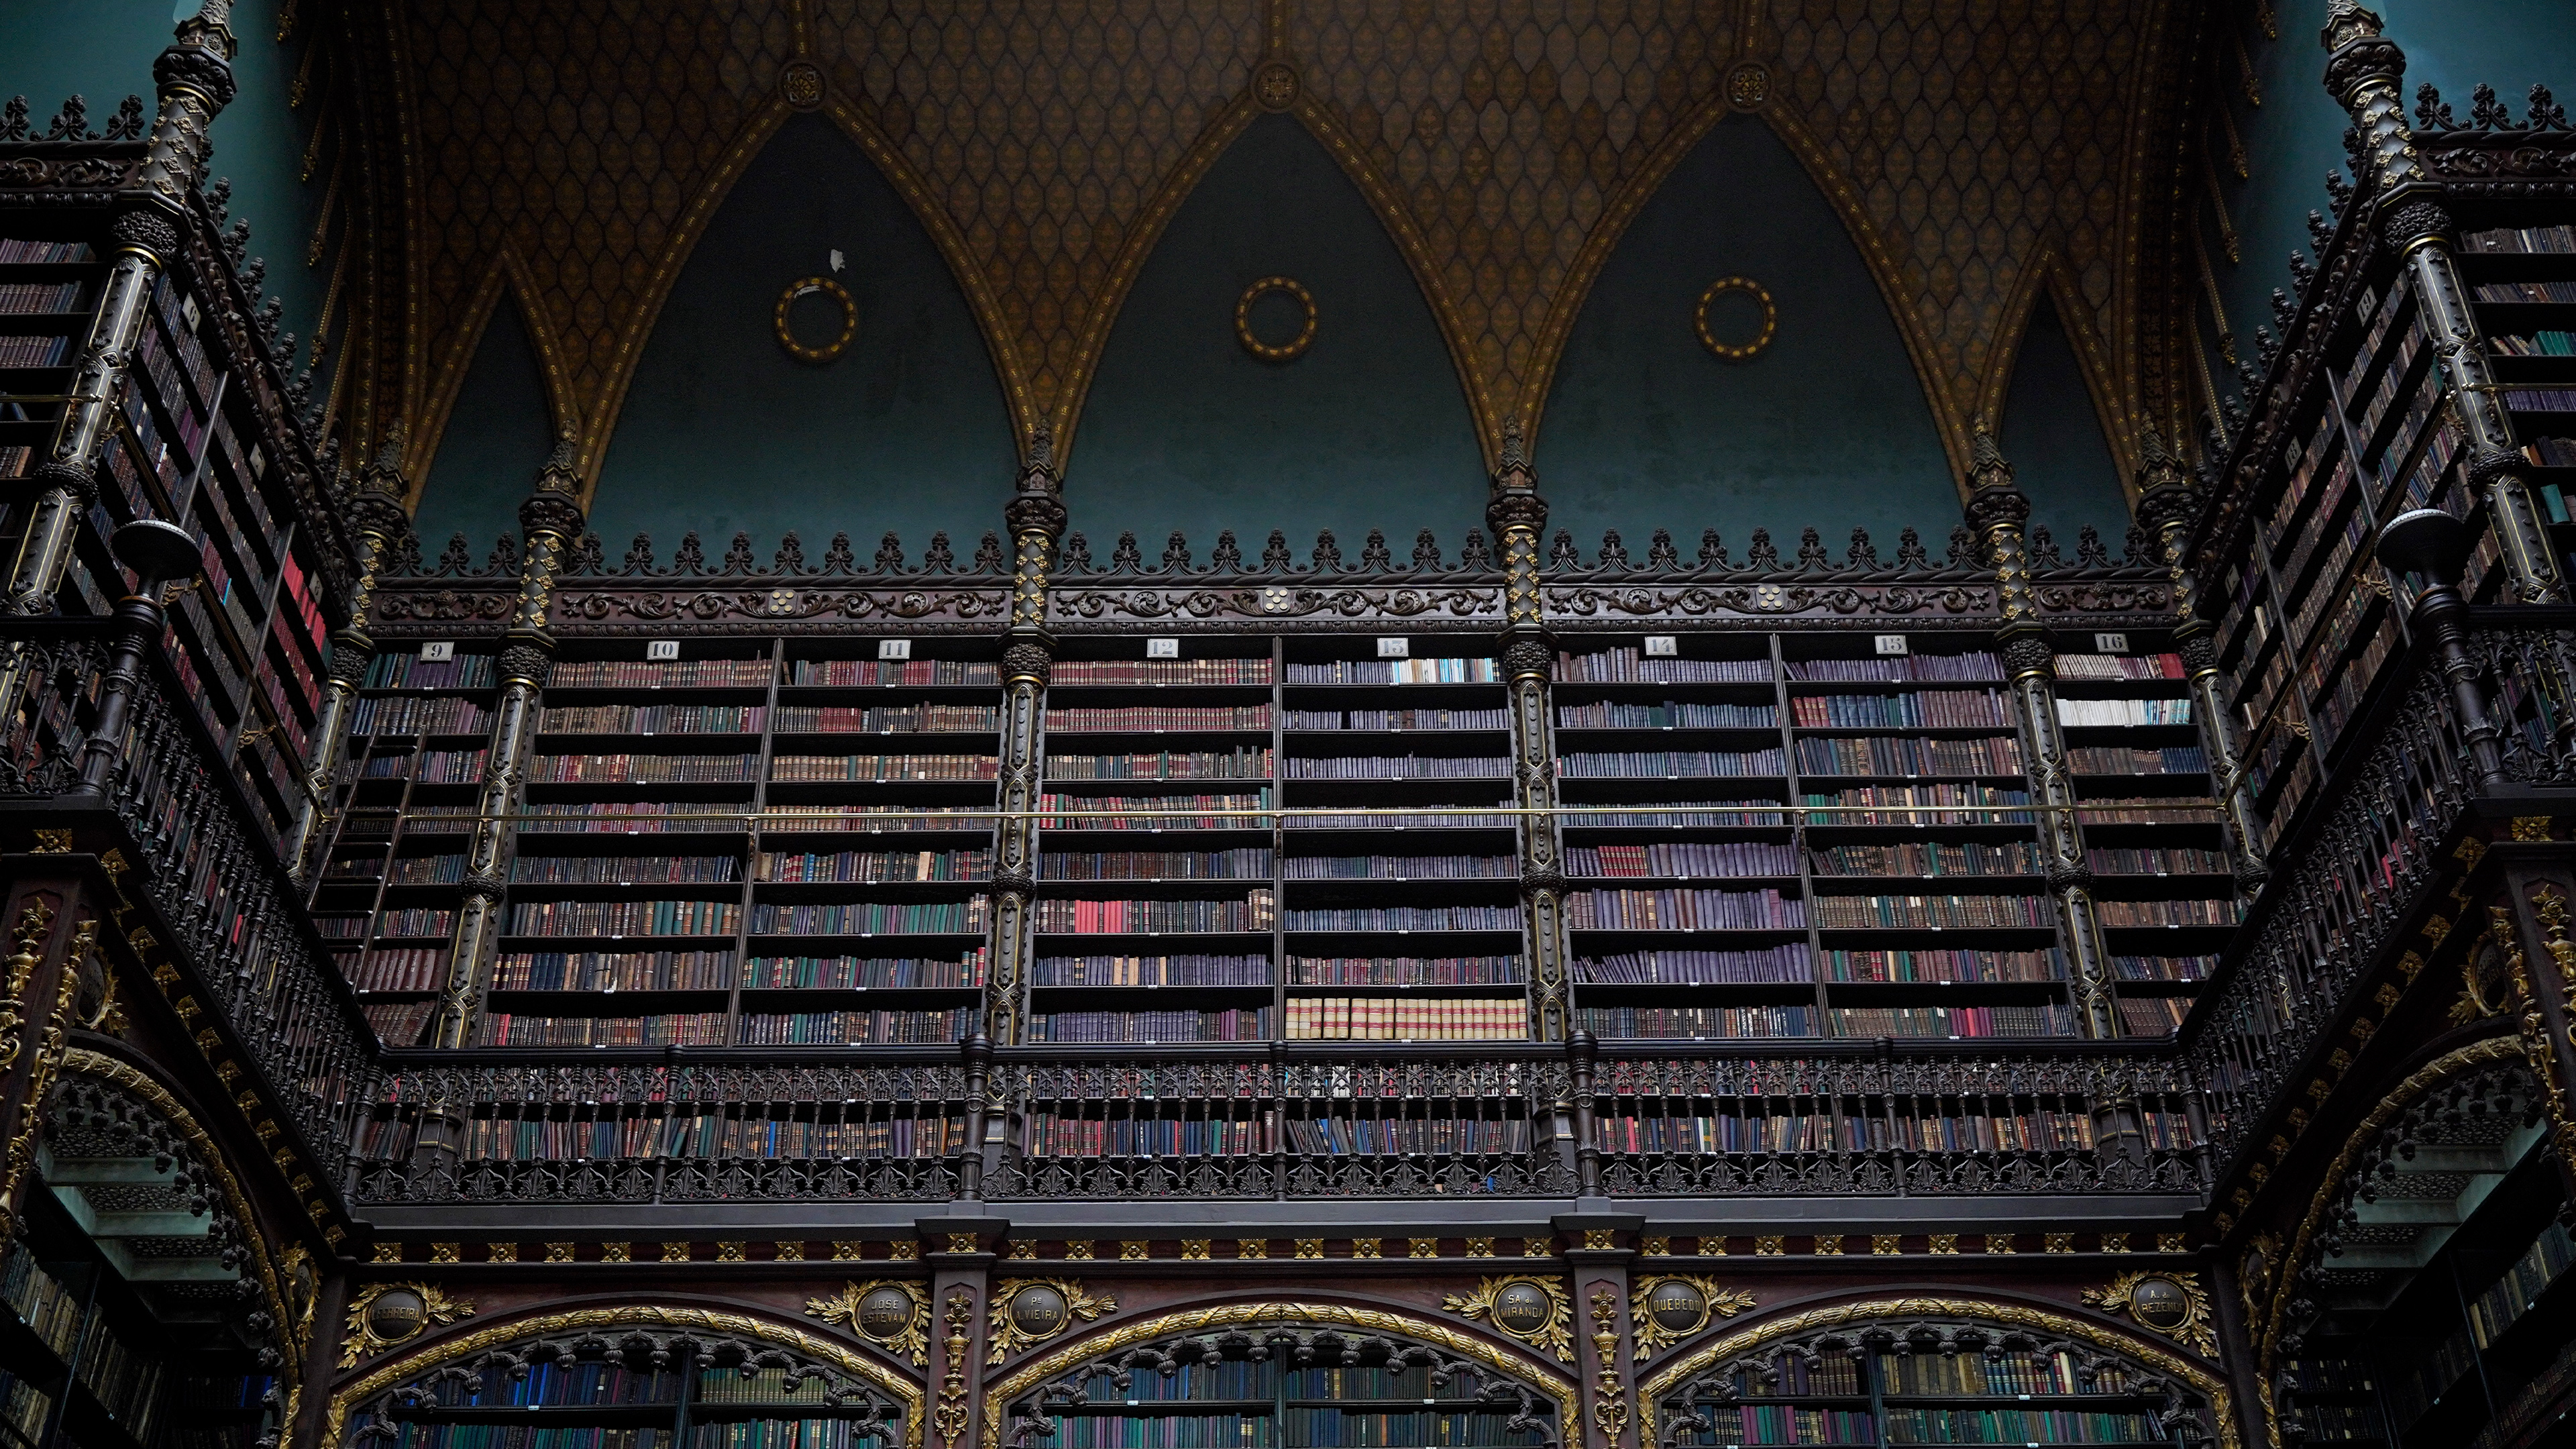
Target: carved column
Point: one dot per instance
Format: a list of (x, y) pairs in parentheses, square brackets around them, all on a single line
[(1604, 1341), (551, 520), (47, 932), (2363, 73), (1035, 516), (193, 81), (377, 511), (961, 1254), (2168, 504), (1997, 510), (1518, 517)]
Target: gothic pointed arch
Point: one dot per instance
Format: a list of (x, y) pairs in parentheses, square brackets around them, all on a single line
[(2046, 395), (1188, 428), (499, 409), (2046, 292), (905, 428), (1646, 427)]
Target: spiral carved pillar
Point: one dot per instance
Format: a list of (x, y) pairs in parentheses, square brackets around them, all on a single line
[(1518, 517), (551, 519), (381, 524), (1036, 517), (1997, 510), (2363, 73), (2167, 503)]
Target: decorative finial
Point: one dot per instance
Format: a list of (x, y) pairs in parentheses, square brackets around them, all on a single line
[(559, 475), (389, 454), (1042, 447), (1986, 465), (2346, 22), (1515, 450)]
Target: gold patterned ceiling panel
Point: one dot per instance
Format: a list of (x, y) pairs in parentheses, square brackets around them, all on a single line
[(1973, 147)]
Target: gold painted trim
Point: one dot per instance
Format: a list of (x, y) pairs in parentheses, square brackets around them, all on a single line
[(2197, 1331), (1081, 1305), (815, 286), (1715, 1303), (2012, 1315), (842, 1308), (1733, 352), (1554, 1335), (361, 1340), (2498, 1048), (1294, 347), (998, 1395), (336, 1420)]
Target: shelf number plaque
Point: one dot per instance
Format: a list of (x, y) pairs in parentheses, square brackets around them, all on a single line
[(2110, 643), (662, 649), (1662, 646), (1395, 649), (1892, 644), (1162, 648), (894, 649), (438, 649)]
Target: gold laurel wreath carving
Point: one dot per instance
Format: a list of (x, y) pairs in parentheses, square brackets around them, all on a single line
[(810, 287), (1609, 1396), (1735, 352), (2014, 1315), (1289, 350), (2197, 1331), (903, 1390), (1556, 1335), (437, 1310), (1081, 1305), (1652, 1337), (843, 1308), (1559, 1390)]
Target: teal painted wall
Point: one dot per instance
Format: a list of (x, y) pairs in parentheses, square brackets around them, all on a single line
[(102, 50), (2053, 436), (1184, 429), (722, 430), (497, 435), (1826, 427)]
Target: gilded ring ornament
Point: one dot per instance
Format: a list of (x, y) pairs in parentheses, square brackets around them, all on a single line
[(813, 286), (1748, 86), (800, 84), (1290, 350), (1730, 351), (892, 1313), (1533, 1309)]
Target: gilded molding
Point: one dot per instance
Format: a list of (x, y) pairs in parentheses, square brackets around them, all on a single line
[(2010, 1315), (1560, 1390), (2196, 1330), (335, 1423), (361, 1341)]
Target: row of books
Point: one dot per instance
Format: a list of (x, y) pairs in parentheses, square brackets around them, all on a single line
[(51, 1311), (853, 973), (410, 671), (1789, 963), (2019, 1426), (1666, 764), (1629, 665), (1970, 1374), (1782, 1424), (2121, 666), (1408, 918), (1904, 755), (2037, 1129), (652, 719), (2122, 713), (1161, 1431), (1396, 671), (1913, 709), (1249, 863), (873, 918), (613, 971), (1399, 867), (408, 714), (871, 867), (625, 869), (24, 1407), (888, 719), (1242, 764), (2546, 342), (2156, 860), (869, 673), (1155, 718), (1912, 805), (1151, 812), (1132, 672), (1187, 970), (626, 918), (1899, 669), (881, 769), (1669, 715), (1396, 721), (1358, 1429), (1147, 1028), (644, 769), (667, 674), (1978, 967), (1735, 858), (416, 921), (1684, 910), (2152, 1015), (413, 968), (507, 1029), (1863, 913), (2112, 760), (398, 1023), (1043, 1134), (1952, 1021), (523, 1436), (705, 1133), (856, 1028), (22, 250), (2526, 291), (2521, 239), (125, 1382), (430, 767), (1397, 767), (788, 1434), (1420, 1136), (1404, 971), (2166, 913), (1931, 858), (1258, 911), (2163, 968), (548, 1384), (1383, 1018), (1692, 1023)]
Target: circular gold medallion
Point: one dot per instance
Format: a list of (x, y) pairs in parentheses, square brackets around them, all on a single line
[(884, 1314), (396, 1315), (1735, 352), (2160, 1304), (1523, 1308), (1748, 86), (817, 354), (1677, 1308), (1287, 351), (1037, 1310), (1274, 86)]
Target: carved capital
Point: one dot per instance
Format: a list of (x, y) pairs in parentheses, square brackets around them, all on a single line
[(548, 511), (2417, 221), (81, 483), (1027, 659), (2493, 464), (2066, 876), (141, 226), (1516, 509), (1998, 506), (485, 887), (2360, 62), (531, 662), (2027, 652), (2199, 649), (351, 652), (379, 513), (1538, 878), (1034, 512), (1527, 656), (2168, 503), (195, 68), (1014, 883)]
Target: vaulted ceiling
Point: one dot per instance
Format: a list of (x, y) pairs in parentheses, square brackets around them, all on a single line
[(1979, 151)]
